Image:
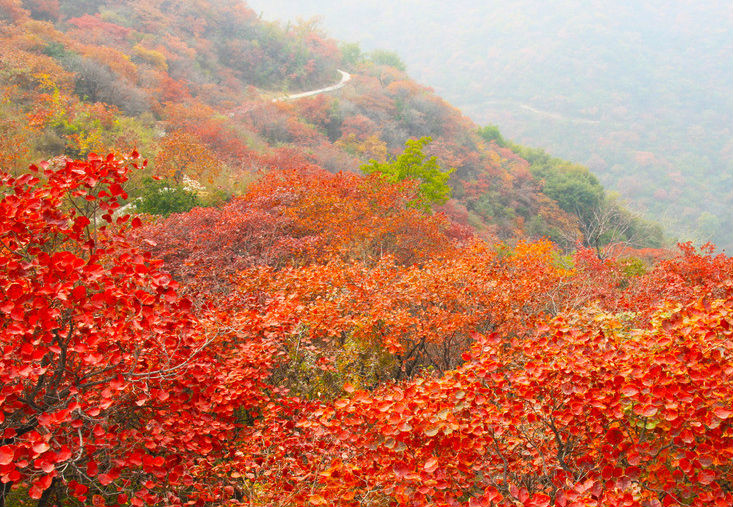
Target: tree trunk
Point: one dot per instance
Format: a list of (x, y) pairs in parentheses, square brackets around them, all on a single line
[(45, 500), (4, 492)]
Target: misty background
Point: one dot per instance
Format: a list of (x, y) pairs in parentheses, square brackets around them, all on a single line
[(639, 91)]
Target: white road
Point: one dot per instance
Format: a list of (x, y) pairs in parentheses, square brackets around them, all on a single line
[(555, 116), (345, 78)]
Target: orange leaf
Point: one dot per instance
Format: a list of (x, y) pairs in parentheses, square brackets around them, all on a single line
[(317, 500), (723, 413)]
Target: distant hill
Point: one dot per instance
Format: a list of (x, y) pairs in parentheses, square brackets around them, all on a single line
[(191, 86), (639, 91)]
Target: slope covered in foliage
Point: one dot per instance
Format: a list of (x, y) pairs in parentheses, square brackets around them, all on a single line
[(190, 84), (639, 91), (325, 337)]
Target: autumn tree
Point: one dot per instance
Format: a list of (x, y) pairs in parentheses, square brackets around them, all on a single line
[(296, 216), (413, 164), (184, 155), (84, 316), (103, 361), (95, 82)]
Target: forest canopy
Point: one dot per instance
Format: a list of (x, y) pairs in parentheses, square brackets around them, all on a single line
[(216, 290)]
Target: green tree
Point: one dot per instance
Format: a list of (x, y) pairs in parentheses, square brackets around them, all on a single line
[(164, 198), (351, 54), (574, 188), (383, 57), (491, 133), (602, 219), (414, 164)]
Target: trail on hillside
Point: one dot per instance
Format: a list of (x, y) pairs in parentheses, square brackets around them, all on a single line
[(345, 78), (526, 107)]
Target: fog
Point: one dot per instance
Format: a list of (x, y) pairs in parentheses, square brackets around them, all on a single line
[(640, 91)]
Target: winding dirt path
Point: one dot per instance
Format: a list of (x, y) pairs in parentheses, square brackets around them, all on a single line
[(558, 116), (526, 107), (345, 78)]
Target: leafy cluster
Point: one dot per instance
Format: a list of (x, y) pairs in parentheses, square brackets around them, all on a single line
[(159, 198), (413, 164), (337, 345)]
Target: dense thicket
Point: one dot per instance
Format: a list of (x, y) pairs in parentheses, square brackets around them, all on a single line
[(339, 345), (284, 331)]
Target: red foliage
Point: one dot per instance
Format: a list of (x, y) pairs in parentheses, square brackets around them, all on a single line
[(13, 10), (102, 360), (315, 110), (95, 24), (217, 132), (682, 279), (286, 159), (585, 412), (359, 126), (448, 373), (303, 215), (171, 90)]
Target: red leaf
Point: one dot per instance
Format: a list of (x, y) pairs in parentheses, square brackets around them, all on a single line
[(35, 492), (47, 467), (40, 447), (45, 481), (538, 500), (431, 465), (15, 291), (81, 222), (400, 469), (629, 390), (706, 477), (7, 454), (63, 455), (317, 500), (79, 293), (115, 189), (645, 410), (723, 413), (522, 495), (614, 436), (478, 502)]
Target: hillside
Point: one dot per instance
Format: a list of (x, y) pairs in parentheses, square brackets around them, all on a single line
[(244, 312), (194, 98), (637, 91)]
